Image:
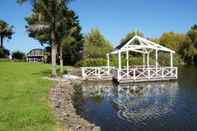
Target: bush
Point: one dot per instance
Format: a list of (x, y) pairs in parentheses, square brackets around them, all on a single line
[(18, 55), (1, 53), (4, 53), (92, 62), (164, 60)]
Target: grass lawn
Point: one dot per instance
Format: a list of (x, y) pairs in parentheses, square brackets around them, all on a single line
[(24, 102)]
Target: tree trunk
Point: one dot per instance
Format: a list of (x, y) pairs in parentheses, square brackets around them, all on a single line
[(54, 41), (1, 42), (53, 54), (61, 61), (53, 59)]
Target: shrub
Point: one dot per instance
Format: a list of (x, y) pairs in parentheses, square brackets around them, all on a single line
[(164, 60), (18, 55), (92, 62), (4, 53), (1, 53)]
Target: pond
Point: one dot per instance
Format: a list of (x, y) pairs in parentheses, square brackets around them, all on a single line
[(155, 106)]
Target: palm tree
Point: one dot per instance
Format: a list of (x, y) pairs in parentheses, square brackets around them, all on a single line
[(48, 14), (6, 31)]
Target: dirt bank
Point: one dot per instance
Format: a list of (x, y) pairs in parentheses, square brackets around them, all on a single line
[(61, 99)]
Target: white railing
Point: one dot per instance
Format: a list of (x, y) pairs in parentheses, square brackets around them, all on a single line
[(97, 72), (133, 74), (146, 73)]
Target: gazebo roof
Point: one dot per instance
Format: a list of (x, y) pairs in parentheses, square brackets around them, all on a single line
[(140, 45)]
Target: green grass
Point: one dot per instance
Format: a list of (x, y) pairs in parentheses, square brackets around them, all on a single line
[(24, 102)]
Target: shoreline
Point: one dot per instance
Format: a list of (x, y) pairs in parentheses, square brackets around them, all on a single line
[(60, 98)]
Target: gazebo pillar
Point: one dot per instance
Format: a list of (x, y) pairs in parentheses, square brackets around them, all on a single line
[(148, 60), (127, 55), (144, 60), (171, 59), (119, 60), (156, 58), (108, 63), (119, 65)]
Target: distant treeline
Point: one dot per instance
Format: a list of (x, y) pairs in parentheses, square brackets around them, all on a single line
[(185, 44)]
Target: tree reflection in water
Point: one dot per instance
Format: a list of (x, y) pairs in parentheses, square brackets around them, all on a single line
[(78, 99), (136, 102)]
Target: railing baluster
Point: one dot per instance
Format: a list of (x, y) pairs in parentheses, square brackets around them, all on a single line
[(148, 73), (83, 73), (176, 71), (99, 73), (162, 72)]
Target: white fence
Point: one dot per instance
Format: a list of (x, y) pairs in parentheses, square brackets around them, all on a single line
[(97, 72), (132, 74), (143, 74)]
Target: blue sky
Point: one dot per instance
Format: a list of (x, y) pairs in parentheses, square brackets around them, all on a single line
[(113, 17)]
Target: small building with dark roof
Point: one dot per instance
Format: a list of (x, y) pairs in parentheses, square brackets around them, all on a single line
[(36, 55)]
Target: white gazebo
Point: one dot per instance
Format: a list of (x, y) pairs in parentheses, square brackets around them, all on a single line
[(137, 73), (145, 72)]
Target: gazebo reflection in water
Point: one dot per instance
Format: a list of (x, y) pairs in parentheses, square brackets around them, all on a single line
[(136, 102)]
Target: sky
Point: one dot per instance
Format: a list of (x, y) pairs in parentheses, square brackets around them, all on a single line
[(114, 18)]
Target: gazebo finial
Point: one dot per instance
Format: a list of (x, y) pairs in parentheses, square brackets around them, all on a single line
[(136, 31)]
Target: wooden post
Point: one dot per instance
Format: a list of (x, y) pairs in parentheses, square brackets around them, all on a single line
[(83, 73), (156, 58), (119, 65), (176, 72), (127, 55), (148, 60), (162, 72), (99, 72), (119, 60), (171, 63), (148, 64), (171, 59), (134, 74), (143, 60), (149, 73), (108, 64)]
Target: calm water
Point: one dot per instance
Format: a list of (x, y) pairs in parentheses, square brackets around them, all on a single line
[(160, 106)]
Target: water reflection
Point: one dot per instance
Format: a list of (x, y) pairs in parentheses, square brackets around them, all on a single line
[(136, 102)]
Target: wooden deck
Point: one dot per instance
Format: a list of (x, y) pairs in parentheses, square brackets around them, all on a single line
[(136, 74)]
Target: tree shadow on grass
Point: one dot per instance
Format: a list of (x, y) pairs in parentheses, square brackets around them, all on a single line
[(47, 73)]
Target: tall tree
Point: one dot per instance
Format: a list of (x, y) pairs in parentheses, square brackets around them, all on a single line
[(96, 45), (173, 40), (6, 31), (95, 48), (44, 22), (67, 33), (73, 40), (192, 33), (187, 52)]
